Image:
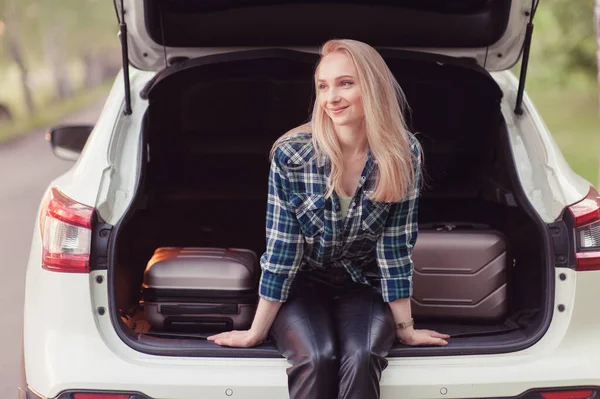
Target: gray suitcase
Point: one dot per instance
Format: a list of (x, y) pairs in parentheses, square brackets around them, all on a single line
[(460, 273), (200, 289)]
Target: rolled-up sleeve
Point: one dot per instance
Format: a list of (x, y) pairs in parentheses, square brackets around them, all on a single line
[(394, 246), (284, 251)]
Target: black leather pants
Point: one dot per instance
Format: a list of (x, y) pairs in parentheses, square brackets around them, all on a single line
[(336, 335)]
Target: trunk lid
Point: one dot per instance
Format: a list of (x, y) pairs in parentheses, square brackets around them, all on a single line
[(161, 31)]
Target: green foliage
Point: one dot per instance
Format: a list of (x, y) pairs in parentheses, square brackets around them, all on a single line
[(575, 45), (63, 45), (52, 112), (571, 114), (564, 45), (76, 26), (561, 80), (561, 77)]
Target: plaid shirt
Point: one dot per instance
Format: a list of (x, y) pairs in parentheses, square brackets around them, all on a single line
[(305, 230)]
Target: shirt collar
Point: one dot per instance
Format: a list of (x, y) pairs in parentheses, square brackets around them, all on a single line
[(370, 165), (367, 172)]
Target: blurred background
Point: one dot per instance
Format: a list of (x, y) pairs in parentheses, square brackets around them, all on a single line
[(58, 59), (55, 56), (58, 56)]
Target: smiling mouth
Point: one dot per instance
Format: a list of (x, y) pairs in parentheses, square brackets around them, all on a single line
[(337, 110)]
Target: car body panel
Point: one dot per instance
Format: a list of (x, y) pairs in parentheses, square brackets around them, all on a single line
[(69, 345), (547, 179), (145, 53), (79, 349)]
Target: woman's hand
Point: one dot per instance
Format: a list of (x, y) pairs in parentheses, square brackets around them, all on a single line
[(263, 319), (410, 336), (238, 339)]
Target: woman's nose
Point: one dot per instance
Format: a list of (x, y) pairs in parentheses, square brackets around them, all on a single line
[(334, 96)]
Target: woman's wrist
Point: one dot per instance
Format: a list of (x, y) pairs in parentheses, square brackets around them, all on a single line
[(258, 335), (263, 319), (405, 323), (404, 334), (404, 329)]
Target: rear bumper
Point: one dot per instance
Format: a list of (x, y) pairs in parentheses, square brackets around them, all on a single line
[(71, 345), (581, 392), (572, 364), (31, 394)]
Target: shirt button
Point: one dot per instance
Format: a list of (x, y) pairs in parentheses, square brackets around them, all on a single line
[(337, 207)]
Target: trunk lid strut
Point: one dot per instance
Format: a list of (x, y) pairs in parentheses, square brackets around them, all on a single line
[(124, 55), (525, 61)]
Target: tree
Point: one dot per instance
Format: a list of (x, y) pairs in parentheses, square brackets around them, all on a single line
[(15, 50), (53, 34), (568, 39), (597, 27), (76, 29)]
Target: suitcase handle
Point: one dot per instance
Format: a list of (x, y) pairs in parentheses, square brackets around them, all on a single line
[(199, 309), (205, 324), (442, 226)]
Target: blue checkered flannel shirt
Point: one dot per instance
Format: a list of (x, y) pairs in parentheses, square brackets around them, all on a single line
[(305, 230)]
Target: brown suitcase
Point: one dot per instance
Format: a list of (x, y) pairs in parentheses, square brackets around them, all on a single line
[(200, 289), (460, 273)]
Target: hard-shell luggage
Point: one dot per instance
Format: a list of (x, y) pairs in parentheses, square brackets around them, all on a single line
[(460, 273), (200, 289)]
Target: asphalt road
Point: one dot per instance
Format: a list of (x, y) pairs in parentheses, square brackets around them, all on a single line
[(27, 165)]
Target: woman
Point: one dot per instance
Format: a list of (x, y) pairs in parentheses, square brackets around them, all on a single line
[(341, 222)]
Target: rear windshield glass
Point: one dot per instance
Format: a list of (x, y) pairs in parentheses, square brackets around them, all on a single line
[(215, 5), (288, 23)]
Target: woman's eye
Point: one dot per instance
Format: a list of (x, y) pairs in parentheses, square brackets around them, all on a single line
[(322, 87), (346, 83)]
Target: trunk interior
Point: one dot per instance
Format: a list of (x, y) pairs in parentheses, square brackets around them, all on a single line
[(209, 130)]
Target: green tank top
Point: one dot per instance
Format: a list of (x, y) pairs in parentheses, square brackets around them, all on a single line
[(345, 204)]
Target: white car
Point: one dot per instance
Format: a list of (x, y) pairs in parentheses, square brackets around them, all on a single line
[(179, 156)]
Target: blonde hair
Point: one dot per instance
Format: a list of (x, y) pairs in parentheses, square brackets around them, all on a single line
[(387, 135)]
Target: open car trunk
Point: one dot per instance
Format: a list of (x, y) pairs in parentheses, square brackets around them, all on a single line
[(209, 128)]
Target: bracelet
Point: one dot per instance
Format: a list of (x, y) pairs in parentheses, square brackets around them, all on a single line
[(405, 324)]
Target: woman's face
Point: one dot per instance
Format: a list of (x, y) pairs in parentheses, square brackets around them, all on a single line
[(338, 90)]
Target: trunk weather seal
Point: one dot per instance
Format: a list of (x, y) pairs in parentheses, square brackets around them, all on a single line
[(267, 350), (547, 308), (145, 93)]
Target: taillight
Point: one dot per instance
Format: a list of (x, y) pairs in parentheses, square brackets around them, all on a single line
[(580, 394), (586, 216), (99, 396), (66, 227)]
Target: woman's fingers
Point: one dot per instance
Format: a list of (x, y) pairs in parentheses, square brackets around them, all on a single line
[(224, 340), (427, 337), (435, 334), (439, 342), (239, 339), (215, 337), (221, 338), (429, 340)]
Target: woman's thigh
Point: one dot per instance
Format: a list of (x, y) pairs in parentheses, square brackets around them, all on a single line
[(304, 327), (364, 322)]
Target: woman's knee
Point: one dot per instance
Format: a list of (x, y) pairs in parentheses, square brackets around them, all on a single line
[(324, 359), (363, 358), (321, 360)]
